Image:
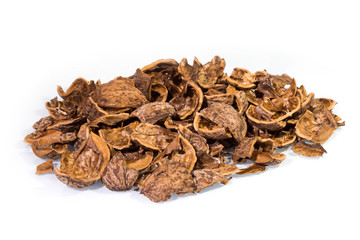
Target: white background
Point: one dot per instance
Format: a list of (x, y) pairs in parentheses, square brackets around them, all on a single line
[(50, 43)]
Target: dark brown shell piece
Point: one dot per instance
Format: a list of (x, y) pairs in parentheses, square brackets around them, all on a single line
[(220, 98), (77, 92), (119, 94), (197, 141), (267, 158), (188, 101), (168, 179), (138, 160), (326, 102), (49, 143), (308, 150), (154, 112), (160, 65), (226, 116), (206, 177), (216, 148), (209, 129), (118, 138), (152, 136), (206, 161), (170, 123), (142, 82), (211, 72), (66, 126), (83, 168), (244, 149), (242, 102), (61, 110), (316, 126), (284, 140), (158, 92), (179, 150), (118, 177), (242, 78), (43, 123), (96, 114)]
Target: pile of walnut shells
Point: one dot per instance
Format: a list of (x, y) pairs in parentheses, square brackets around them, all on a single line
[(176, 128)]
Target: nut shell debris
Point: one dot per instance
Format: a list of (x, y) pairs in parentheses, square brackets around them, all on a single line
[(176, 128)]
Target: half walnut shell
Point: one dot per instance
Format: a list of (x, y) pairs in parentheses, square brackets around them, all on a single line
[(152, 136), (227, 117), (316, 126), (83, 168), (265, 119), (119, 94), (118, 138)]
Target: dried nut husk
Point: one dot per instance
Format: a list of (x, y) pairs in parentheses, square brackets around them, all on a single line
[(215, 96), (168, 179), (216, 148), (188, 72), (308, 150), (209, 129), (92, 110), (152, 136), (211, 72), (139, 160), (252, 96), (77, 92), (197, 141), (111, 119), (96, 114), (227, 170), (274, 86), (284, 140), (241, 102), (85, 167), (170, 123), (142, 82), (179, 150), (305, 99), (154, 112), (244, 149), (44, 123), (254, 168), (118, 138), (220, 98), (49, 143), (207, 76), (66, 126), (61, 110), (267, 158), (117, 176), (206, 177), (326, 102), (160, 65), (119, 94), (46, 167), (267, 120), (227, 117), (264, 152), (316, 126), (206, 161), (158, 92), (189, 100), (242, 78)]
